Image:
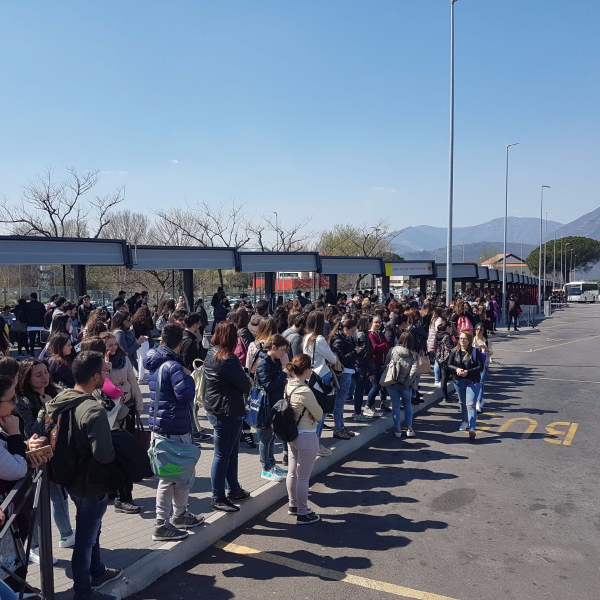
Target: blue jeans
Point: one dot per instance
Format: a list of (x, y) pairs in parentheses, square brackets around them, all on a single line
[(327, 380), (86, 561), (467, 393), (401, 396), (377, 372), (266, 448), (360, 383), (345, 381), (484, 374), (437, 372), (227, 431), (60, 514)]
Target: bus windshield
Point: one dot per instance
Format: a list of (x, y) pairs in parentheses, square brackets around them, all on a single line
[(573, 290)]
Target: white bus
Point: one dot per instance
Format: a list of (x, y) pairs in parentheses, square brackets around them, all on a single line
[(581, 291)]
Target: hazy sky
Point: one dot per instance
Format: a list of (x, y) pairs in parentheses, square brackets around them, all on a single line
[(335, 108)]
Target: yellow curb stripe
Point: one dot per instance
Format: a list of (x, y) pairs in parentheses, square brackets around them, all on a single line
[(371, 584)]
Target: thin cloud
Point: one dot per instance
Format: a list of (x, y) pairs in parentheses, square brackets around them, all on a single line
[(381, 188), (174, 161), (123, 172)]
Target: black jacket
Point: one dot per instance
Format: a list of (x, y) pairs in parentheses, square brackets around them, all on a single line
[(391, 328), (419, 337), (220, 312), (364, 360), (201, 311), (460, 360), (344, 348), (226, 384), (271, 377), (35, 313), (189, 351)]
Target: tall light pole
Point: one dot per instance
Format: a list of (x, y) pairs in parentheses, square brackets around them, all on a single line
[(571, 266), (449, 285), (504, 310), (554, 261), (545, 251), (463, 245), (521, 257), (540, 250), (565, 276)]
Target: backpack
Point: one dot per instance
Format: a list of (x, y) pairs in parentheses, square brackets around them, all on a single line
[(464, 324), (241, 351), (66, 463), (442, 354), (283, 423)]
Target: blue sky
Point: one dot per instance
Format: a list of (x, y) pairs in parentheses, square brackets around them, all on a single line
[(333, 109)]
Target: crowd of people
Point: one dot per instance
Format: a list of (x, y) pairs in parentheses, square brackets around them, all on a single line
[(318, 355)]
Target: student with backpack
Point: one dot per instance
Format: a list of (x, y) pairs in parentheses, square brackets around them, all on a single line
[(91, 444), (303, 449), (444, 346)]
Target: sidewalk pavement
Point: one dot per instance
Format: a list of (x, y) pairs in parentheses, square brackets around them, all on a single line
[(126, 540)]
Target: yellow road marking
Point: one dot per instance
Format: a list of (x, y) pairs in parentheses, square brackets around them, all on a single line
[(371, 584), (547, 347), (567, 380)]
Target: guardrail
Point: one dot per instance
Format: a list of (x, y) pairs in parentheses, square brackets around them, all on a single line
[(16, 503)]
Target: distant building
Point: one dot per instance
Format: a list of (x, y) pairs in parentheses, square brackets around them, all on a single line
[(514, 264)]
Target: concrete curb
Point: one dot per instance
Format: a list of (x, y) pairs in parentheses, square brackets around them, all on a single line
[(157, 563)]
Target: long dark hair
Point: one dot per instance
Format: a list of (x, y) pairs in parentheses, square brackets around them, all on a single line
[(143, 318), (56, 345), (117, 320), (96, 323), (24, 388), (315, 326), (59, 324)]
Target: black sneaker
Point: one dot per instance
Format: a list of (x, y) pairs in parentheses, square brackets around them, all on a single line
[(341, 434), (307, 519), (325, 426), (472, 435), (348, 432), (168, 533), (129, 508), (224, 505), (293, 510), (201, 437), (108, 575), (187, 520), (385, 408), (249, 439), (239, 496)]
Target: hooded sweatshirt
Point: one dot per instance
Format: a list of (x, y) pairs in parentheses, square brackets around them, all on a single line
[(91, 432)]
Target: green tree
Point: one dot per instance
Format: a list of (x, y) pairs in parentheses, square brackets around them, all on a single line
[(586, 253)]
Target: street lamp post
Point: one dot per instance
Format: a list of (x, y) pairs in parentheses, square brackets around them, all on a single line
[(463, 245), (561, 258), (521, 258), (571, 265), (554, 260), (545, 251), (504, 310), (540, 250), (449, 285)]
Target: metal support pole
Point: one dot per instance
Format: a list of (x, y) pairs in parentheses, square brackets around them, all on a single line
[(44, 524), (449, 285), (540, 250)]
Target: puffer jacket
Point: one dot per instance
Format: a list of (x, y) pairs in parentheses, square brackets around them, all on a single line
[(432, 334), (271, 376), (344, 348), (472, 362), (177, 393), (226, 384), (407, 366)]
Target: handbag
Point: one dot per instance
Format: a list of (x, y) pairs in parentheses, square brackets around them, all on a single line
[(111, 390), (171, 460), (323, 391), (424, 365), (143, 436), (257, 403), (390, 374)]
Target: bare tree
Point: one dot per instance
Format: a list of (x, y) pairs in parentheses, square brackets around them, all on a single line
[(133, 227), (358, 240), (60, 209), (270, 234)]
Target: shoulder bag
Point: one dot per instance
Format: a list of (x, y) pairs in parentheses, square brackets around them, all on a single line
[(258, 405), (390, 373), (323, 391), (172, 460)]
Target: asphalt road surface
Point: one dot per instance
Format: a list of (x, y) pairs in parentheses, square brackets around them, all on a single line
[(513, 515)]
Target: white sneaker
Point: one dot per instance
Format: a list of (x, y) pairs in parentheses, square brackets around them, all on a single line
[(478, 407), (323, 451), (398, 433), (438, 384), (34, 557), (271, 476), (368, 412), (67, 542), (410, 433)]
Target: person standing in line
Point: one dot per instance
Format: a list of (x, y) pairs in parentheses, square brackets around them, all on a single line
[(226, 384), (293, 334), (436, 319), (174, 419), (91, 434), (84, 310), (513, 311), (444, 346), (36, 312), (465, 364), (20, 328), (303, 450), (142, 327), (272, 379), (9, 318), (120, 298), (381, 346), (363, 367), (344, 347), (199, 308), (407, 361), (120, 325)]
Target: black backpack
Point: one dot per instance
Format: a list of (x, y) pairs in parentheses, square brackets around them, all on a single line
[(66, 463), (284, 426)]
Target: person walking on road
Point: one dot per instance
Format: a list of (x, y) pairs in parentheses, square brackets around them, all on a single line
[(514, 309), (466, 363), (444, 346), (480, 341), (303, 450)]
